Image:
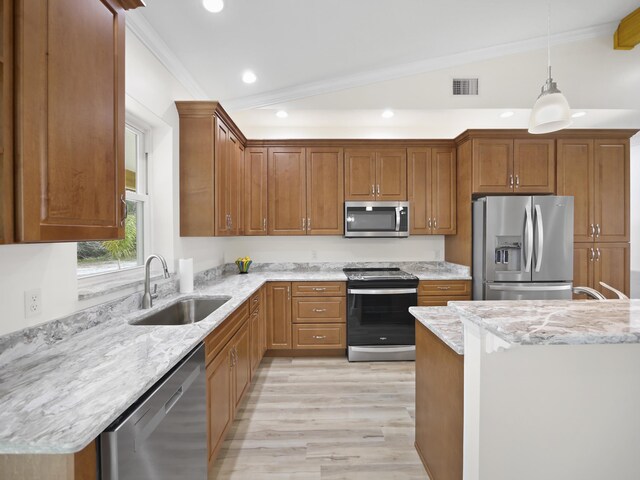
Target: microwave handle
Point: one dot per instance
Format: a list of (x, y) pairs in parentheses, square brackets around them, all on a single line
[(397, 219)]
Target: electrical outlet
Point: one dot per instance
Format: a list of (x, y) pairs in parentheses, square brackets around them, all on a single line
[(314, 254), (32, 302)]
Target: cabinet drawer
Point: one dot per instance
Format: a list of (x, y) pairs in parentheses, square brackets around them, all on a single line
[(319, 336), (319, 310), (216, 340), (426, 301), (254, 301), (319, 289), (444, 288)]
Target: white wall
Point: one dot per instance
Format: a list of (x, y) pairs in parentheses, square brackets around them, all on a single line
[(635, 216), (335, 249)]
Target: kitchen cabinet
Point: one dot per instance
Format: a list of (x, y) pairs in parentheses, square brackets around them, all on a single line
[(219, 400), (255, 191), (437, 293), (431, 183), (6, 122), (257, 327), (375, 174), (502, 165), (69, 120), (241, 364), (321, 336), (319, 309), (278, 315), (211, 171), (601, 262), (306, 191)]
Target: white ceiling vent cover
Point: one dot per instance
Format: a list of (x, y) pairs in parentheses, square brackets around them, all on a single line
[(465, 86)]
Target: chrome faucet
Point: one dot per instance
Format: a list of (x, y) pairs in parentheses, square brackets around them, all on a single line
[(147, 298)]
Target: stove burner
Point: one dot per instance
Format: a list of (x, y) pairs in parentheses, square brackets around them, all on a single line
[(376, 274)]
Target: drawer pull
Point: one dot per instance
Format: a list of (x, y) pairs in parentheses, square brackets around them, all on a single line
[(319, 337), (444, 288), (319, 310), (319, 289)]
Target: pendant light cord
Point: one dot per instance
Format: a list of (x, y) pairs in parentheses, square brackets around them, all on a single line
[(549, 37)]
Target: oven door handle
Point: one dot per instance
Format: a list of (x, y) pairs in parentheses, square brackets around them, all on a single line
[(382, 291)]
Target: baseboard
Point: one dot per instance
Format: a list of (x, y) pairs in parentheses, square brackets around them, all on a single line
[(332, 352)]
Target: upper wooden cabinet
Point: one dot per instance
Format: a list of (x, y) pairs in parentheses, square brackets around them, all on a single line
[(255, 191), (513, 166), (432, 190), (596, 174), (6, 122), (211, 171), (306, 193), (375, 174), (69, 120)]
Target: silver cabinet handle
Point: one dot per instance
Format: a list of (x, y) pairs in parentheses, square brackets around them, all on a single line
[(517, 181), (308, 223), (124, 210), (429, 224), (435, 224), (593, 255), (230, 222), (378, 189), (304, 224), (289, 292), (597, 254), (444, 288), (593, 230), (373, 189), (511, 181), (319, 337), (319, 310), (540, 226), (318, 289), (264, 224), (528, 231), (597, 230)]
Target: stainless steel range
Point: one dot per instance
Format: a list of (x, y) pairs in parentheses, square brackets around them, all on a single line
[(379, 326)]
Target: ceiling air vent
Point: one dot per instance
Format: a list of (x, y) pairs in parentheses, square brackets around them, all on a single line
[(465, 86)]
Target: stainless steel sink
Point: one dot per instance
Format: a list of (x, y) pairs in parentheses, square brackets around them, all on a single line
[(183, 312)]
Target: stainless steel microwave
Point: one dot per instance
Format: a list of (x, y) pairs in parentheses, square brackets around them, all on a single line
[(376, 219)]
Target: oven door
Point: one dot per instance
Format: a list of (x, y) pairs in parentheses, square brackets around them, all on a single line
[(380, 316), (376, 219)]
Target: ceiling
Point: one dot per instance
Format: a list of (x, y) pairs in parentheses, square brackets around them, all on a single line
[(348, 57)]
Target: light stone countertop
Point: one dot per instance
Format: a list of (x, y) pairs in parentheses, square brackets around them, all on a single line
[(444, 322), (556, 322), (62, 384)]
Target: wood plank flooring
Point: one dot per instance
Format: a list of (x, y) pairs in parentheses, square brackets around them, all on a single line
[(325, 418)]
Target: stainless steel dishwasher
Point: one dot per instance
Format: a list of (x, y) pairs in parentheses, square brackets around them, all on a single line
[(164, 435)]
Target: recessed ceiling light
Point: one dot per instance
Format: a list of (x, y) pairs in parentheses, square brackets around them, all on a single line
[(387, 114), (579, 114), (281, 114), (214, 6), (506, 114), (249, 77)]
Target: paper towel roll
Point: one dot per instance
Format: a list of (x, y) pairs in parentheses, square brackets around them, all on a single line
[(185, 265)]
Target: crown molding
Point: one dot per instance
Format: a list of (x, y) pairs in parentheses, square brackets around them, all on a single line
[(392, 72), (141, 28)]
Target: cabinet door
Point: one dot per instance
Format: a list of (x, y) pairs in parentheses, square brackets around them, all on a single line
[(279, 315), (287, 191), (69, 129), (222, 176), (493, 166), (234, 185), (219, 404), (612, 267), (325, 191), (534, 166), (611, 194), (6, 123), (255, 333), (443, 191), (263, 318), (391, 175), (419, 189), (242, 367), (583, 258), (255, 191), (360, 175), (575, 178)]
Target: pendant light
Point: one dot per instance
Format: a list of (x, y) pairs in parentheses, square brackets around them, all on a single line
[(551, 111)]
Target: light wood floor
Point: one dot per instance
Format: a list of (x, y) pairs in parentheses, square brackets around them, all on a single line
[(313, 418)]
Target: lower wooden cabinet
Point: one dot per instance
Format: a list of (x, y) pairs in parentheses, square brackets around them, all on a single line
[(279, 315), (257, 329), (319, 310), (437, 293), (314, 336), (601, 262), (219, 400), (241, 364)]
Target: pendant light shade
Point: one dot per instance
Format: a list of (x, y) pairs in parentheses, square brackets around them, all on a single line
[(551, 111)]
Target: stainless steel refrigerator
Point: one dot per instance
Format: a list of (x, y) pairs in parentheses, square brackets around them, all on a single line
[(522, 248)]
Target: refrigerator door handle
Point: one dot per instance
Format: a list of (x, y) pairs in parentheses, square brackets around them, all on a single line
[(527, 288), (540, 230), (528, 232)]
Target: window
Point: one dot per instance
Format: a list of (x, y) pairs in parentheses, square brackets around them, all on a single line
[(97, 257)]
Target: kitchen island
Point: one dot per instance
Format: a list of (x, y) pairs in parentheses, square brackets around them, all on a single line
[(551, 388)]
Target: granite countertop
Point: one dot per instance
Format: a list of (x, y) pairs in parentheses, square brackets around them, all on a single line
[(444, 322), (557, 322), (61, 385)]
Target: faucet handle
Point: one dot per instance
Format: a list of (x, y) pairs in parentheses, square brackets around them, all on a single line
[(154, 295)]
